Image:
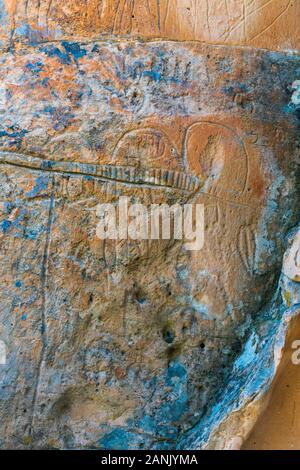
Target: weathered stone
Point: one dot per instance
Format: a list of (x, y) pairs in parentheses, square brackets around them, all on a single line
[(128, 344), (291, 264), (278, 426), (257, 23)]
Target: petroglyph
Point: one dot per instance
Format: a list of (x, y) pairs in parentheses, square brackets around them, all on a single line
[(125, 174), (247, 248), (226, 21)]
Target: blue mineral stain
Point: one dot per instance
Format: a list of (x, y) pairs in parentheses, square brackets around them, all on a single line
[(31, 300), (45, 81), (49, 109), (8, 207), (148, 424), (157, 75), (225, 65), (23, 317), (74, 50), (5, 225), (20, 227), (173, 412), (18, 284), (3, 13), (31, 234), (35, 67), (16, 302), (53, 51), (22, 30), (229, 309), (47, 165), (200, 307), (176, 373), (26, 31), (293, 107), (182, 273), (228, 90), (153, 426), (156, 72), (289, 108), (281, 58), (14, 133), (64, 118), (61, 117), (173, 409), (235, 88), (249, 353), (41, 184), (161, 428), (119, 439)]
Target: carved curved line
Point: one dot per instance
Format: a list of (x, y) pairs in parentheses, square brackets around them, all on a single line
[(44, 333), (144, 129), (229, 201), (225, 126), (261, 7), (249, 14), (150, 15), (247, 248), (158, 15), (274, 22)]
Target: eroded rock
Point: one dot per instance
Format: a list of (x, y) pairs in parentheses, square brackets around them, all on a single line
[(130, 344)]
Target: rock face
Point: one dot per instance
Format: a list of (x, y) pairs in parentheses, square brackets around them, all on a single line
[(129, 344), (272, 24)]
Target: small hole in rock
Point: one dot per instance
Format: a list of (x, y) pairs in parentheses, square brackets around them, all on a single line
[(168, 336)]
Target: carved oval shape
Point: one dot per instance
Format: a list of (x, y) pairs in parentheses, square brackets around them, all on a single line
[(216, 153)]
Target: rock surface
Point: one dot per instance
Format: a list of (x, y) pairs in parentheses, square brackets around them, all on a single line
[(271, 24), (278, 426), (131, 344)]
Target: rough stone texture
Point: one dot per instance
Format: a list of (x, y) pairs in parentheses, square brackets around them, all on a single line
[(268, 24), (266, 359), (143, 344), (278, 426)]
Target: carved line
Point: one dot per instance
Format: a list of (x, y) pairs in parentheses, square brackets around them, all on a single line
[(44, 276), (151, 130), (272, 24), (140, 40), (229, 201), (47, 15), (158, 15), (247, 248), (261, 7), (136, 176), (185, 157), (38, 11), (248, 14), (207, 19)]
